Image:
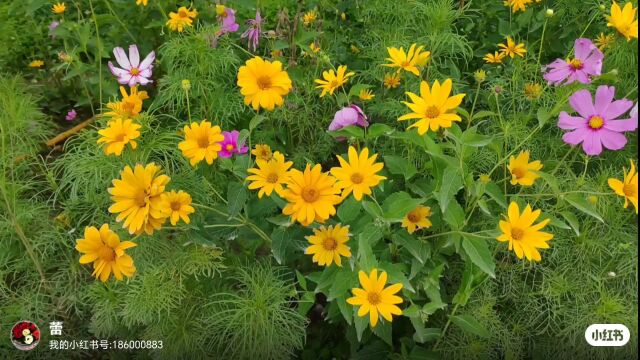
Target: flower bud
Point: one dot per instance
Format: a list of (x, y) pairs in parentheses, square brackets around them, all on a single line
[(549, 13), (480, 76), (611, 274), (602, 7), (220, 10), (186, 85), (592, 199)]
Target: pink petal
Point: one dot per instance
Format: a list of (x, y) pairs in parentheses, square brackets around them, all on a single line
[(581, 76), (622, 125), (121, 58), (593, 64), (582, 103), (568, 122), (144, 81), (146, 63), (134, 55), (575, 137), (612, 140), (604, 96), (117, 71), (559, 71), (145, 73), (133, 80), (617, 108), (591, 144), (583, 48)]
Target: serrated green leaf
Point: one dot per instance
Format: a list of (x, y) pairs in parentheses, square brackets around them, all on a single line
[(398, 165), (378, 129), (478, 252), (415, 247), (449, 187), (397, 205), (349, 209), (470, 324), (236, 198), (255, 121), (496, 194)]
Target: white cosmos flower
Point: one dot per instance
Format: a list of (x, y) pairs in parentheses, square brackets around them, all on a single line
[(131, 70)]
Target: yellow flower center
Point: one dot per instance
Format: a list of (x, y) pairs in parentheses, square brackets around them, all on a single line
[(432, 112), (630, 190), (310, 194), (357, 178), (203, 142), (334, 83), (106, 253), (596, 122), (374, 298), (183, 13), (329, 244), (134, 71), (414, 217), (176, 205), (264, 82), (120, 137), (405, 64), (229, 147), (141, 199), (517, 233), (519, 172), (272, 178), (575, 64)]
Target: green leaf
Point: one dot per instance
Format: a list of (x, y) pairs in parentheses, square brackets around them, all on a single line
[(549, 179), (496, 194), (345, 279), (255, 121), (348, 131), (398, 205), (349, 209), (449, 187), (478, 252), (376, 130), (416, 247), (543, 116), (243, 136), (383, 331), (361, 323), (236, 198), (345, 309), (366, 241), (470, 324), (471, 138), (577, 201), (372, 208), (398, 165), (454, 215), (572, 220), (356, 88), (301, 280), (483, 114), (280, 242)]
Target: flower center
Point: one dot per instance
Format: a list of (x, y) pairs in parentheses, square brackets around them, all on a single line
[(334, 83), (576, 64), (517, 233), (310, 194), (264, 82), (183, 13), (121, 137), (413, 217), (203, 141), (329, 244), (357, 178), (519, 172), (432, 112), (134, 71), (272, 178), (230, 147), (405, 64), (106, 253), (141, 199), (373, 298), (596, 122), (630, 190), (176, 205)]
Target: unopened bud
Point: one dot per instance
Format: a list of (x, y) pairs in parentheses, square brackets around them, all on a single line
[(480, 76), (186, 85), (549, 13), (220, 10)]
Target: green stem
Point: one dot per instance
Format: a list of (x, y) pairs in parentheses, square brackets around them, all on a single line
[(544, 29), (446, 326), (108, 3), (99, 44), (475, 99)]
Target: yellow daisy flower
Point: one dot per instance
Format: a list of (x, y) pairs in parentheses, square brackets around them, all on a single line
[(358, 175), (333, 80), (628, 187), (311, 195), (104, 249), (604, 41), (417, 218), (495, 58), (328, 244), (270, 175), (178, 206), (130, 105), (137, 198), (315, 48), (183, 18), (434, 108), (142, 2), (309, 17), (518, 5), (391, 81), (262, 152), (36, 64), (118, 134), (263, 83), (521, 169), (365, 95), (201, 142), (59, 8), (374, 299), (512, 49), (532, 91), (524, 238), (408, 61), (624, 20)]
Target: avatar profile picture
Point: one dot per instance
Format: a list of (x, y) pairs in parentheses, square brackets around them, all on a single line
[(25, 335)]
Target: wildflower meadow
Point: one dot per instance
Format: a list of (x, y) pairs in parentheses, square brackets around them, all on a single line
[(321, 179)]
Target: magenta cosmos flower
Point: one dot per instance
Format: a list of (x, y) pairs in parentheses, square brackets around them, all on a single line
[(229, 24), (131, 70), (597, 124), (230, 144), (350, 115), (71, 115), (254, 31), (586, 64)]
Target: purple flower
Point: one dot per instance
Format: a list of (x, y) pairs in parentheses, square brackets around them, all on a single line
[(587, 63), (597, 124), (229, 24), (54, 25), (254, 31), (131, 70), (230, 145), (71, 115), (350, 115)]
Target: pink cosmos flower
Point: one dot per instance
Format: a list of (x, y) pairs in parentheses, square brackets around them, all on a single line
[(131, 70), (254, 31), (229, 24), (230, 145), (350, 115), (597, 124), (71, 115), (587, 63), (52, 27)]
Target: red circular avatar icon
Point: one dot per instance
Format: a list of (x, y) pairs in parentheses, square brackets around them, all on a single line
[(25, 335)]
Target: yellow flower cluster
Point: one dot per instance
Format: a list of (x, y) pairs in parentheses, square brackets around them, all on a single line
[(510, 48), (122, 129)]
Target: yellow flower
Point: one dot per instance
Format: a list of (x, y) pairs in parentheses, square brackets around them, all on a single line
[(137, 198), (417, 218), (521, 169), (314, 47), (36, 64), (118, 134), (532, 91), (434, 107), (178, 206), (408, 61), (354, 49), (220, 10), (130, 105), (270, 175), (343, 16), (517, 5), (624, 20), (184, 17), (604, 41), (628, 188), (276, 53), (391, 81), (311, 195), (485, 178), (333, 80), (104, 249), (512, 49), (358, 175), (373, 298), (142, 2), (201, 142), (59, 8), (480, 75), (495, 58), (262, 152), (523, 236), (263, 83), (328, 244), (309, 17), (365, 95)]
